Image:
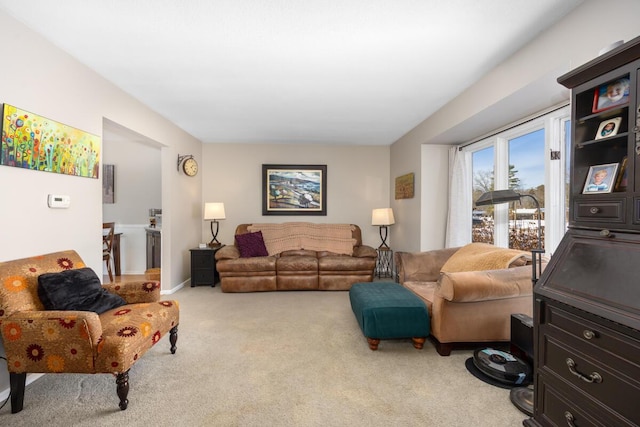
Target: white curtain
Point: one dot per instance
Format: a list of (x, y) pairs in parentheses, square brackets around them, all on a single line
[(460, 203)]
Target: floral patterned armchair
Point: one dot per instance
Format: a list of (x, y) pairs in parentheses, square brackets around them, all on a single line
[(37, 340)]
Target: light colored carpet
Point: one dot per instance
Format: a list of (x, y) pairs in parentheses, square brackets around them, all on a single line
[(273, 359)]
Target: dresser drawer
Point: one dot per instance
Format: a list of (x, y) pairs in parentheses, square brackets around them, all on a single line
[(203, 276), (596, 335), (592, 377), (203, 259), (558, 408), (610, 210)]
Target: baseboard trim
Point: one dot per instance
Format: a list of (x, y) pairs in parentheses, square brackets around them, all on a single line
[(174, 290)]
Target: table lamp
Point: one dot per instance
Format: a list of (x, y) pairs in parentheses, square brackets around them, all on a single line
[(383, 218), (214, 211)]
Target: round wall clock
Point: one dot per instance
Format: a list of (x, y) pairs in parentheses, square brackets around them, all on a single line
[(190, 167)]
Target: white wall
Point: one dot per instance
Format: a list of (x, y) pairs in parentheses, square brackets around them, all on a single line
[(42, 79), (138, 180), (357, 183), (138, 187), (522, 85), (434, 194)]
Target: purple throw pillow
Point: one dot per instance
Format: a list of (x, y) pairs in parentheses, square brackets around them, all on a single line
[(251, 245)]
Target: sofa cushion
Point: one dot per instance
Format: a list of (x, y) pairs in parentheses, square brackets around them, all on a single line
[(251, 245), (473, 286), (484, 256), (77, 289), (297, 265)]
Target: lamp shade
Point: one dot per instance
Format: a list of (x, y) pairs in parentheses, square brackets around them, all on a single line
[(382, 216), (496, 197), (213, 211)]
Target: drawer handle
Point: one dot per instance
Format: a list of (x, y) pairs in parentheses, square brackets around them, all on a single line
[(570, 419), (593, 378), (594, 210), (588, 334)]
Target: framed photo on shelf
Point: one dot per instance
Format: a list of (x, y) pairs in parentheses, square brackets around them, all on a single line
[(601, 178), (608, 128), (621, 181), (611, 94)]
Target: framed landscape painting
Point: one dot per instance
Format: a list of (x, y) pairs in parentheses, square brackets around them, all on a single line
[(294, 189)]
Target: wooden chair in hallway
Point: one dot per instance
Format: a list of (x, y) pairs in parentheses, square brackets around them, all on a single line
[(107, 245)]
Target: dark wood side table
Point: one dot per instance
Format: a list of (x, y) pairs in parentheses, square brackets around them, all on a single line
[(203, 266)]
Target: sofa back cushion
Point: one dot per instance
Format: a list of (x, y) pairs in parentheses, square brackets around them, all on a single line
[(356, 232), (337, 238)]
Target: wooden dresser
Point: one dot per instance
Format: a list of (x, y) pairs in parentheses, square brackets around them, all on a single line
[(587, 301)]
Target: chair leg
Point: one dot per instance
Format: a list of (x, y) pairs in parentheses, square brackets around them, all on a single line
[(109, 269), (16, 386), (122, 382), (173, 338)]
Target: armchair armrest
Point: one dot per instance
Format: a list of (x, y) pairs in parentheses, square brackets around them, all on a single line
[(137, 291), (421, 266), (48, 329), (470, 286), (364, 251), (227, 252)]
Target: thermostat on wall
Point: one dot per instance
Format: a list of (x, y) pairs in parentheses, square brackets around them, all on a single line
[(58, 202)]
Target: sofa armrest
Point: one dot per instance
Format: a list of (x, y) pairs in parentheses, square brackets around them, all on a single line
[(227, 252), (421, 266), (364, 251), (471, 286), (136, 291)]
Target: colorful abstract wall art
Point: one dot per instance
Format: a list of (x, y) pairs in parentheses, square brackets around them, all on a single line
[(34, 142)]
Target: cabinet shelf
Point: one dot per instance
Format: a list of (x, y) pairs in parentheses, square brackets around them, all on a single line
[(621, 136)]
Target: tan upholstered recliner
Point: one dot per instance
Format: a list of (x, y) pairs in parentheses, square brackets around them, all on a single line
[(472, 306), (69, 341)]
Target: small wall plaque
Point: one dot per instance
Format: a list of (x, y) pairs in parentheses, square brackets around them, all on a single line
[(404, 186)]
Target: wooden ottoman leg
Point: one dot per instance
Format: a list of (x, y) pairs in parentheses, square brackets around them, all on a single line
[(418, 342), (373, 343)]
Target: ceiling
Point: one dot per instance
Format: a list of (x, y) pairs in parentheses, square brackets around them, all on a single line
[(291, 71)]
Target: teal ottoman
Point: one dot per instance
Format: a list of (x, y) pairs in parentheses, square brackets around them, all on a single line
[(386, 310)]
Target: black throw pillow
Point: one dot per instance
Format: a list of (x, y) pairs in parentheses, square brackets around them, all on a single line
[(77, 289)]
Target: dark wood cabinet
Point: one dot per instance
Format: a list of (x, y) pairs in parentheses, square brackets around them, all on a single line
[(587, 301), (154, 248), (203, 266)]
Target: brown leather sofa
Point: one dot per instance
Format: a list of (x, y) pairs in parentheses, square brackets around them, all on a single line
[(472, 306), (297, 268)]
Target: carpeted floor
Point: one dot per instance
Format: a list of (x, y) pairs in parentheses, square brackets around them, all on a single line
[(274, 359)]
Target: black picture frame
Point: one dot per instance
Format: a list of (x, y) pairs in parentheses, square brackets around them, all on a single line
[(294, 189)]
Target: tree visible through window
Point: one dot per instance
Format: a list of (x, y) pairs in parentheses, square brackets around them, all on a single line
[(531, 158), (523, 171)]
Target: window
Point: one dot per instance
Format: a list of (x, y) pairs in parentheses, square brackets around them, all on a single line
[(532, 159)]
